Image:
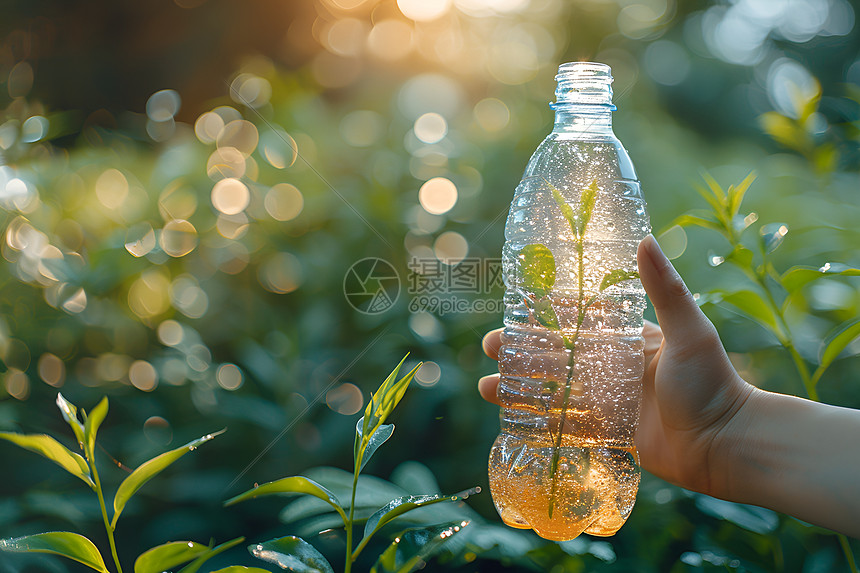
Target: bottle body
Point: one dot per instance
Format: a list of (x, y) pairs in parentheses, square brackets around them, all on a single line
[(571, 359)]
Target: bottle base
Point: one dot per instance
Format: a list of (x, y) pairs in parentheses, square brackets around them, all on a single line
[(593, 492)]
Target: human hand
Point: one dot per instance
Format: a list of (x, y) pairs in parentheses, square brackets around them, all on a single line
[(691, 392)]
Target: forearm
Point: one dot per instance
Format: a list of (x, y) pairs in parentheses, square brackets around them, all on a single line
[(794, 456)]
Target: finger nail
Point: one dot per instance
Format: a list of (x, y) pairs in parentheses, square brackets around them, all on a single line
[(654, 250)]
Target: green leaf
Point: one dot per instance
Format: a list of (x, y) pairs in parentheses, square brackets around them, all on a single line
[(412, 548), (291, 485), (825, 158), (367, 446), (808, 106), (293, 554), (736, 193), (53, 450), (386, 399), (699, 218), (616, 276), (782, 129), (64, 543), (752, 305), (536, 269), (241, 569), (149, 469), (741, 257), (93, 422), (545, 313), (209, 554), (833, 347), (70, 415), (586, 207), (796, 278), (715, 188), (401, 505), (564, 207), (167, 556), (373, 403), (772, 236)]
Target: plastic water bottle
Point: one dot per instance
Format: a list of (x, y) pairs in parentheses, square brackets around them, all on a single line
[(571, 359)]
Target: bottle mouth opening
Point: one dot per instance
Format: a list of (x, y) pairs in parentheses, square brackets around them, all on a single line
[(583, 83), (584, 70)]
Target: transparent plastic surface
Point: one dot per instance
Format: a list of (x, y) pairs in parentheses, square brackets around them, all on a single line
[(565, 462)]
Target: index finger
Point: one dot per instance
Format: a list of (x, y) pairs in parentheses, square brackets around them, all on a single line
[(492, 342)]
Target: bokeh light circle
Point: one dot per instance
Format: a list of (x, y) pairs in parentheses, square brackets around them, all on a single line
[(438, 195), (230, 196), (284, 202), (178, 238)]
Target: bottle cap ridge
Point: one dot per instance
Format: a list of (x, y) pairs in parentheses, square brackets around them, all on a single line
[(583, 83)]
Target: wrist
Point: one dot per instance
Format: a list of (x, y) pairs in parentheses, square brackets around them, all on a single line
[(735, 435)]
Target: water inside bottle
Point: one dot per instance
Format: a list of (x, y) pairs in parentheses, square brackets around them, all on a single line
[(593, 487)]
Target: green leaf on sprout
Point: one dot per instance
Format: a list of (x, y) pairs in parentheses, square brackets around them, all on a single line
[(545, 313), (564, 206), (737, 192), (195, 565), (716, 191), (401, 505), (414, 547), (93, 422), (536, 269), (148, 470), (167, 556), (293, 554), (752, 305), (833, 346), (782, 129), (64, 543), (825, 158), (809, 106), (241, 569), (772, 236), (70, 415), (289, 485), (386, 399), (796, 278), (367, 446), (586, 207), (699, 218), (741, 257), (292, 485), (53, 450), (616, 276)]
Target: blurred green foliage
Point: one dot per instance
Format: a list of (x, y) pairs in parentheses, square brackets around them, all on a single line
[(135, 266)]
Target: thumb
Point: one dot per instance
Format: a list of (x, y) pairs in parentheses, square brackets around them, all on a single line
[(677, 312)]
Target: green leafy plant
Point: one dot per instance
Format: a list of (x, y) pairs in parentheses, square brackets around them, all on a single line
[(769, 293), (409, 549), (77, 547), (803, 132), (537, 270)]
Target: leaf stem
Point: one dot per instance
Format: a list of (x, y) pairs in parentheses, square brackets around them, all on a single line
[(349, 556), (571, 364), (849, 555), (786, 338), (108, 527)]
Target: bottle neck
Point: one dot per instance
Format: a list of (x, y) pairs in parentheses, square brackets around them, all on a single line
[(583, 98), (580, 118)]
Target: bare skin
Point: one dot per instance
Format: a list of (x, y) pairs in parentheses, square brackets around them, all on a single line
[(704, 428)]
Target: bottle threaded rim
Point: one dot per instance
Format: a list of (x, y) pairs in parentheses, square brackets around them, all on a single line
[(583, 83)]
